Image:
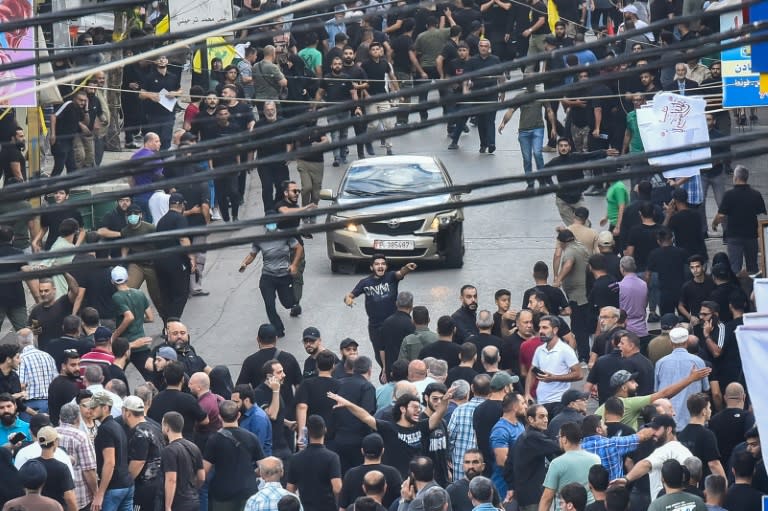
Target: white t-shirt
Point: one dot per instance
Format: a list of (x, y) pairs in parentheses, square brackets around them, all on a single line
[(671, 450), (34, 450), (158, 205), (557, 361)]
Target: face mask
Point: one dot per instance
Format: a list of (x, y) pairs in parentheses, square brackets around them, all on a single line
[(271, 227), (134, 219)]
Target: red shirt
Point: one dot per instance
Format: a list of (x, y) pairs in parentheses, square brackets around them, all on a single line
[(527, 349), (98, 356)]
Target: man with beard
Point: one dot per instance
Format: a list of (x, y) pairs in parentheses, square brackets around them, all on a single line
[(526, 468), (64, 387), (227, 195), (241, 116), (253, 418), (145, 443), (10, 359), (624, 386), (114, 222), (605, 367), (335, 88), (360, 85), (160, 81), (271, 175), (465, 317), (667, 448), (111, 444), (608, 321), (473, 466), (268, 398), (504, 435), (13, 431), (537, 303), (381, 291), (311, 396), (313, 345), (438, 437), (407, 436), (204, 123), (179, 341), (46, 317)]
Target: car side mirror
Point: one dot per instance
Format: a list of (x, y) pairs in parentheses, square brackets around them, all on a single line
[(327, 194)]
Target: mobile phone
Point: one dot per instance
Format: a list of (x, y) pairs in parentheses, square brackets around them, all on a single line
[(17, 437), (535, 370)]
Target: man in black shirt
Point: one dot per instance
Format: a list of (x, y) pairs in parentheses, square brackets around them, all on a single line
[(377, 68), (272, 175), (316, 471), (160, 81), (67, 122), (182, 466), (695, 290), (404, 61), (233, 452), (741, 206), (59, 484), (145, 444), (173, 271), (64, 388), (204, 123), (13, 302), (12, 161), (227, 194), (372, 449), (111, 444), (173, 399), (555, 299), (335, 87), (394, 329), (113, 222), (45, 318), (486, 122), (311, 396), (444, 348), (348, 433), (685, 224), (465, 318), (50, 222), (268, 397)]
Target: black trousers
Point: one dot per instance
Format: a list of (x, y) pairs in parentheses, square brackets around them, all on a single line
[(173, 280), (580, 328), (272, 287), (227, 197), (272, 177), (63, 156)]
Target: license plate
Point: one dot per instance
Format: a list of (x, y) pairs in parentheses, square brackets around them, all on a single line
[(394, 244)]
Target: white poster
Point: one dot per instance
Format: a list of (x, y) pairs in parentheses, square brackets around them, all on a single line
[(671, 121), (187, 14)]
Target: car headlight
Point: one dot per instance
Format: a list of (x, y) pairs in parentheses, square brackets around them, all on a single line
[(350, 226), (442, 221)]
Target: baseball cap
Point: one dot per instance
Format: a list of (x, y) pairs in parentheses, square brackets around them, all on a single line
[(668, 321), (33, 474), (621, 377), (565, 236), (133, 404), (630, 8), (175, 198), (119, 275), (102, 333), (134, 208), (605, 239), (267, 331), (311, 333), (662, 421), (678, 335), (46, 436), (346, 343), (571, 395), (167, 353), (373, 445), (100, 399), (502, 379)]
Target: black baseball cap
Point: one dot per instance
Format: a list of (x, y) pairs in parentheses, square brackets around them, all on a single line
[(346, 343), (311, 333), (176, 198), (662, 421)]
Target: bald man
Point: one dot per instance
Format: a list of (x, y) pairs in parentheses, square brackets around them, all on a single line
[(271, 471), (664, 407), (179, 340), (730, 424), (417, 374), (200, 387)]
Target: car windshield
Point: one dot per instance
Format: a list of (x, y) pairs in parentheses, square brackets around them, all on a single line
[(391, 179)]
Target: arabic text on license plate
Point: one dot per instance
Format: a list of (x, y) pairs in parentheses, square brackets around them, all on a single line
[(394, 244)]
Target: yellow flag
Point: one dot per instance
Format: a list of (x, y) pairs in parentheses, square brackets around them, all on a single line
[(163, 26), (217, 48), (763, 83), (552, 15)]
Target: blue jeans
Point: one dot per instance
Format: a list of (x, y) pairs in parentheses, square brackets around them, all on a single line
[(119, 499), (742, 250), (530, 147)]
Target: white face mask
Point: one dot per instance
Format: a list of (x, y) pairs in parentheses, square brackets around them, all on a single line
[(134, 219)]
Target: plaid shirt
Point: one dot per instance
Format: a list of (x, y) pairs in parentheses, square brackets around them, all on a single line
[(611, 451), (461, 434), (83, 456), (267, 498), (694, 189), (37, 370)]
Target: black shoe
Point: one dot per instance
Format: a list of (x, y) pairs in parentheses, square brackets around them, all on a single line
[(423, 116), (307, 236), (389, 151), (453, 146), (335, 163), (369, 149), (530, 186), (482, 148), (296, 311), (653, 318), (491, 149), (199, 292), (466, 129)]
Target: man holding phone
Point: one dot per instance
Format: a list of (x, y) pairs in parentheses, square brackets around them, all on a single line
[(555, 365)]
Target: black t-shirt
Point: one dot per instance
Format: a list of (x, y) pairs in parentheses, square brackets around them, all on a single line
[(116, 221), (183, 458), (742, 204), (555, 298), (234, 452), (510, 353), (618, 429), (11, 293), (669, 262), (312, 470), (98, 286), (481, 341), (729, 427), (380, 296), (310, 367), (251, 372), (112, 435), (171, 221), (267, 150), (355, 388), (263, 396), (686, 226), (204, 125), (437, 449), (729, 368), (240, 114), (743, 496), (145, 443), (59, 480), (603, 293), (477, 63), (155, 82), (693, 293), (722, 295), (61, 391), (9, 153), (337, 87), (460, 373), (352, 486), (393, 330), (601, 373), (643, 238), (639, 363), (376, 72), (401, 444), (539, 10), (52, 220), (313, 392), (172, 400), (702, 443), (443, 350), (486, 415), (68, 118), (195, 194), (224, 158), (49, 319), (401, 48)]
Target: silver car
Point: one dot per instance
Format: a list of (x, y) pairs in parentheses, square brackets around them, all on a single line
[(434, 236)]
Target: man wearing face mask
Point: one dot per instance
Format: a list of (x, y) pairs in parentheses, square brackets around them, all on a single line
[(12, 161), (140, 271), (159, 82), (277, 273)]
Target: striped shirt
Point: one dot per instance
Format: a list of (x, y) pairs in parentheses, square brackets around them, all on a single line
[(83, 456), (611, 451), (267, 498), (37, 370), (461, 434)]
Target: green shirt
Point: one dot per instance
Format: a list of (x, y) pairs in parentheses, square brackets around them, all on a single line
[(530, 114), (680, 500), (413, 343), (430, 44), (140, 230), (635, 143), (312, 58), (632, 408), (617, 195), (136, 302), (571, 467)]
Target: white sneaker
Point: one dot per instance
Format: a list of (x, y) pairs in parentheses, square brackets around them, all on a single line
[(215, 215)]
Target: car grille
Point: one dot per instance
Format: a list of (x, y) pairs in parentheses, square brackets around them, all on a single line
[(418, 252), (408, 227)]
